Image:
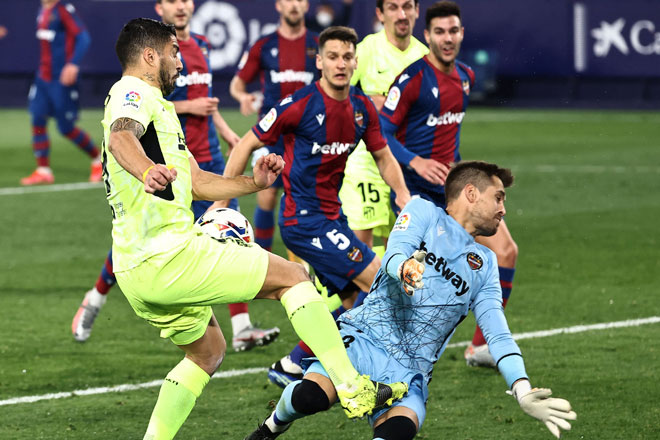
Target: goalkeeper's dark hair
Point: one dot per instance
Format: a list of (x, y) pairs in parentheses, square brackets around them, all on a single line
[(341, 33), (480, 174), (379, 4), (138, 34), (442, 9)]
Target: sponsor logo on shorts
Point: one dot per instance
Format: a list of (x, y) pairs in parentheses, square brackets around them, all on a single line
[(393, 98), (355, 255), (133, 100), (475, 261), (268, 120), (402, 222)]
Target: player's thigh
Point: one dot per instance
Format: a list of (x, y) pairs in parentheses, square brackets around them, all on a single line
[(39, 104), (209, 271), (331, 248), (280, 276), (365, 203), (366, 277), (502, 244), (65, 105)]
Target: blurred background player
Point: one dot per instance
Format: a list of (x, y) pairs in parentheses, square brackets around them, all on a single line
[(63, 42), (321, 125), (284, 62), (422, 120), (325, 16), (381, 57), (409, 317), (201, 122)]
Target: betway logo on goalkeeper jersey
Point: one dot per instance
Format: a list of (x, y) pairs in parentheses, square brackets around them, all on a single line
[(446, 119), (440, 265), (336, 148), (193, 79), (291, 76)]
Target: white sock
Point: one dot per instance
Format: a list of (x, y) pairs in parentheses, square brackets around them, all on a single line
[(240, 322), (45, 170), (96, 299)]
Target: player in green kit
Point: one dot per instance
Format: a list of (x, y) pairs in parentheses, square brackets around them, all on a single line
[(169, 271), (381, 57)]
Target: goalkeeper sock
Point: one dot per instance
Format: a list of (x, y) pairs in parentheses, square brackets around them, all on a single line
[(314, 325), (181, 388)]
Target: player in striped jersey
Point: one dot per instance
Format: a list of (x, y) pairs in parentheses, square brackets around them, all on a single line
[(283, 61), (422, 121), (63, 41)]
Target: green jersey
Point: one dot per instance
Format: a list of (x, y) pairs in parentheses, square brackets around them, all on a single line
[(144, 224), (379, 63)]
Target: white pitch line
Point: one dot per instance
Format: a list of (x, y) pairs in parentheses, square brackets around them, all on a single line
[(48, 188), (574, 329), (119, 388), (233, 373)]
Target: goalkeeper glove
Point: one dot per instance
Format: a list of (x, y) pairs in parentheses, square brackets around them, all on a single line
[(537, 403), (411, 271)]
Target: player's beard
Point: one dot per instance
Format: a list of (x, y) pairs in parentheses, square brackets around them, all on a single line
[(437, 52), (293, 22), (167, 81)]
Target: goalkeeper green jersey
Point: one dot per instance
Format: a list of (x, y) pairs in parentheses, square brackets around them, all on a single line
[(379, 63), (144, 224)]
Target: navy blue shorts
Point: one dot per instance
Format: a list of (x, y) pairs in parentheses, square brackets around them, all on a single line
[(330, 247), (53, 99)]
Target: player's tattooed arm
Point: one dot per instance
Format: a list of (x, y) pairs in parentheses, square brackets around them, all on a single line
[(128, 124)]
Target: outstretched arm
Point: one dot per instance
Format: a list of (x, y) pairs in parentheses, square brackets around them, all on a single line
[(241, 154)]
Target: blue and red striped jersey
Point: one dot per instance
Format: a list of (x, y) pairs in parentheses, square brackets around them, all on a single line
[(283, 65), (423, 113), (319, 133), (195, 81), (63, 39)]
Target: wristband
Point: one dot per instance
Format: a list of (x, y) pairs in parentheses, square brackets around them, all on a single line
[(144, 175)]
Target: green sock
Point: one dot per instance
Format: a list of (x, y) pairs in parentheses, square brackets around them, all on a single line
[(313, 322), (181, 388)]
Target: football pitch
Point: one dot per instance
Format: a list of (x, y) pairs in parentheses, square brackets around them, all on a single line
[(584, 211)]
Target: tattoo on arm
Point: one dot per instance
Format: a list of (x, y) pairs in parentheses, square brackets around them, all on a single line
[(128, 124)]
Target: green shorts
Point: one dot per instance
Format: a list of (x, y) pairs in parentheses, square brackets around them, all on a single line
[(174, 291), (366, 205)]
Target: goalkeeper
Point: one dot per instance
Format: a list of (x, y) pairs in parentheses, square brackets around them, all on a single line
[(433, 273)]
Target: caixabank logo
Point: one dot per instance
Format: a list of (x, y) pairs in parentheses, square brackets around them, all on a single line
[(601, 36)]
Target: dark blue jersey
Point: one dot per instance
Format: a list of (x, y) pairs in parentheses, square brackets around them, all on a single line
[(423, 113), (62, 37), (194, 82), (319, 133), (283, 66)]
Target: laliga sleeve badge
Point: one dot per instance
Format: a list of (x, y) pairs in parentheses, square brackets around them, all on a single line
[(393, 98), (268, 120), (133, 100), (475, 261), (402, 222)]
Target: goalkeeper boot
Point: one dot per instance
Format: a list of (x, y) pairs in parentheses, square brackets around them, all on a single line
[(479, 356), (251, 337), (284, 371), (362, 398), (87, 313), (263, 432)]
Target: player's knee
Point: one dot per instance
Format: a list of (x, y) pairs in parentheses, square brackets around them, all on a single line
[(211, 358), (64, 126), (396, 428), (297, 273), (309, 398)]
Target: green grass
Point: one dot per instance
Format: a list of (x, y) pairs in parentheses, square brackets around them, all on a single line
[(583, 211)]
